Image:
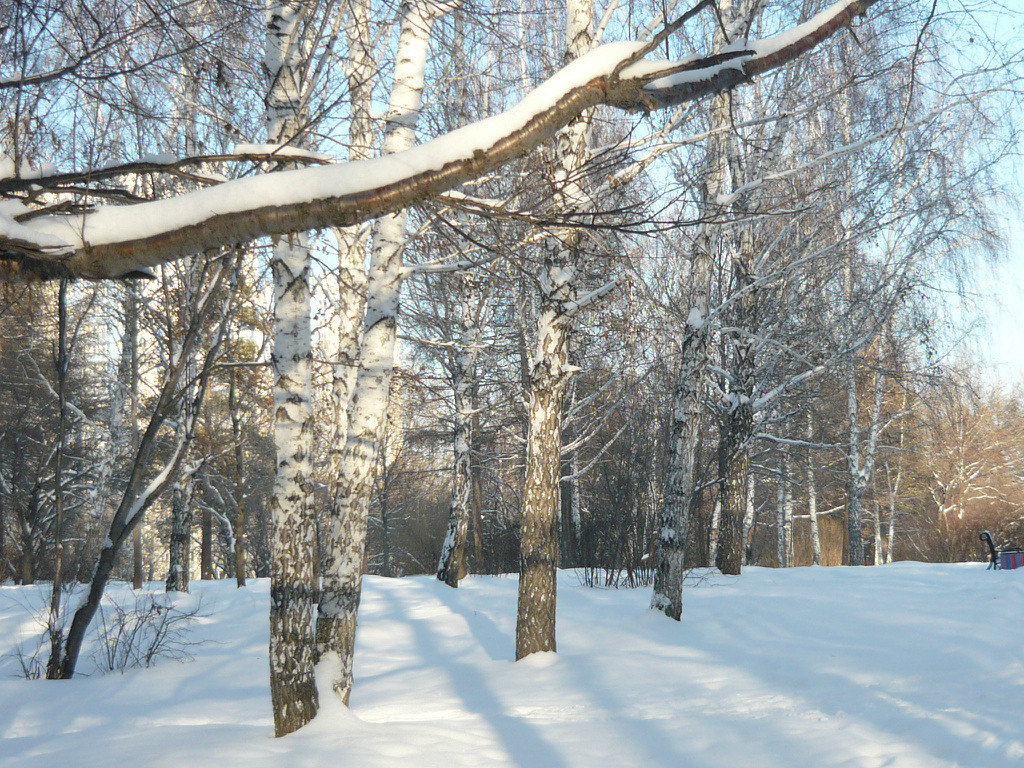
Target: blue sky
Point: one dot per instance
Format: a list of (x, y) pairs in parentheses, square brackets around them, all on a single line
[(1002, 342)]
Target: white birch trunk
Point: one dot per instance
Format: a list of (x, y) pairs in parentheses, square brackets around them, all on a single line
[(451, 566), (739, 419), (861, 458), (292, 581), (780, 512), (878, 534), (812, 497), (670, 545), (716, 521), (787, 514), (346, 543), (351, 286), (748, 517)]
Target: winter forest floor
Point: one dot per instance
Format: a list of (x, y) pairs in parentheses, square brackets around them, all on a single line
[(907, 665)]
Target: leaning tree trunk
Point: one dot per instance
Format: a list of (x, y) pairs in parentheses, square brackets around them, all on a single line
[(550, 373), (345, 553), (292, 582), (136, 499)]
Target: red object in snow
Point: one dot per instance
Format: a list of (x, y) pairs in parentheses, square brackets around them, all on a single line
[(1008, 560)]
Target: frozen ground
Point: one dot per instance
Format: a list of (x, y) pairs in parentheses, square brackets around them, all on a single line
[(912, 666)]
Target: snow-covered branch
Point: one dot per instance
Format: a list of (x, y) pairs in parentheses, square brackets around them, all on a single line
[(113, 241)]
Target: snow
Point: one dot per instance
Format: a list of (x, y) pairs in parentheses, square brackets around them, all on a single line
[(911, 665), (22, 236), (25, 171), (282, 150)]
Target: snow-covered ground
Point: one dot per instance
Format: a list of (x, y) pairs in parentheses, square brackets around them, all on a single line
[(908, 665)]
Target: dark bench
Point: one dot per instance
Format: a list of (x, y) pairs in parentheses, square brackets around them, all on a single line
[(1005, 559)]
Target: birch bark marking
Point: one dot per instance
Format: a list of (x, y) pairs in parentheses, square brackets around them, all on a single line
[(748, 517), (346, 541), (812, 494), (54, 626), (451, 566), (180, 545), (292, 584), (861, 460), (670, 546), (549, 376), (784, 513)]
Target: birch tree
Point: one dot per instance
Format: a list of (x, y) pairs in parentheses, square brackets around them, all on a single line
[(293, 586), (343, 564)]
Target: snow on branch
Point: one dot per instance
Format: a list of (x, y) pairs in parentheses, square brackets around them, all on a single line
[(113, 241)]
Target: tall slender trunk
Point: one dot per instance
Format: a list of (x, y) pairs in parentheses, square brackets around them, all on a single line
[(452, 564), (878, 534), (738, 429), (54, 625), (132, 343), (748, 518), (861, 458), (206, 546), (292, 582), (673, 526), (181, 535), (550, 374), (137, 557), (812, 495), (239, 467), (478, 493), (786, 509), (346, 541), (733, 465), (713, 530), (352, 241), (891, 535), (180, 544)]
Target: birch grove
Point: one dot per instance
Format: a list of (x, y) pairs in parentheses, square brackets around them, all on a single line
[(310, 292)]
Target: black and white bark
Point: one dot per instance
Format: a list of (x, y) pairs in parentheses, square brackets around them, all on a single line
[(452, 563), (684, 438), (293, 588), (346, 540), (550, 371)]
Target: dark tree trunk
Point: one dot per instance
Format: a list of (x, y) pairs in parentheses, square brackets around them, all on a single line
[(732, 468)]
